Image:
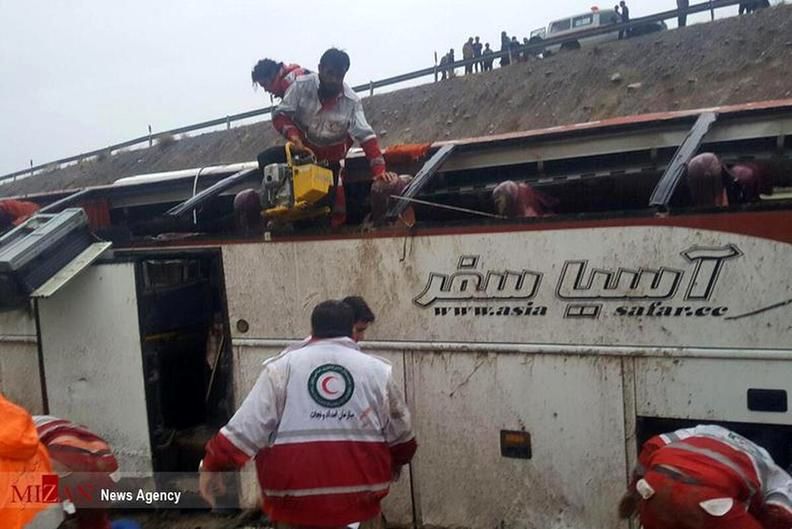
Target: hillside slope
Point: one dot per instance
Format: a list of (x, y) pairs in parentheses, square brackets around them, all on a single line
[(729, 61)]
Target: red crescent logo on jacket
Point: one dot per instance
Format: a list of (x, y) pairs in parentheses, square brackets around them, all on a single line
[(331, 385)]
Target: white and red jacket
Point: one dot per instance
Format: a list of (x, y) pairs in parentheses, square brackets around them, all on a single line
[(330, 127), (285, 77), (328, 426), (708, 454)]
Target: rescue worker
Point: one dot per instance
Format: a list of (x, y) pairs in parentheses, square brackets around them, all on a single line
[(15, 212), (321, 112), (24, 468), (328, 428), (276, 77), (83, 462), (521, 200), (707, 477), (363, 316), (706, 182), (380, 197), (714, 184)]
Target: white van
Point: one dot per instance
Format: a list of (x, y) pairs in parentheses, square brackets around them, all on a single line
[(573, 25), (596, 18)]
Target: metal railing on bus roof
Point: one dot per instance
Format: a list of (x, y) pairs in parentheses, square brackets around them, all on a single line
[(370, 86)]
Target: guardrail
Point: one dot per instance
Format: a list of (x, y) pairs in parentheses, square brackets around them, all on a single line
[(370, 86)]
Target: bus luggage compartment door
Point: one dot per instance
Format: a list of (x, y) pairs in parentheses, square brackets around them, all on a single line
[(715, 389), (90, 343)]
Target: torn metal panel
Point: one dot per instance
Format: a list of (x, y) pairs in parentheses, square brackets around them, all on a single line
[(420, 181), (676, 169), (70, 271)]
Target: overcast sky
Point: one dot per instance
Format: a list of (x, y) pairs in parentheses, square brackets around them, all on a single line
[(77, 75)]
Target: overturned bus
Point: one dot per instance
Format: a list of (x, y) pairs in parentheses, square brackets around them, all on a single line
[(536, 354)]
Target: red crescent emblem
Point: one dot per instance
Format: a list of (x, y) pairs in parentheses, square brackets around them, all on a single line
[(325, 388)]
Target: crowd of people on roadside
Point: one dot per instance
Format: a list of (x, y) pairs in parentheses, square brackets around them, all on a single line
[(515, 50), (483, 55)]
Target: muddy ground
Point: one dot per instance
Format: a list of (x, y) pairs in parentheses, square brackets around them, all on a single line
[(185, 520), (735, 60)]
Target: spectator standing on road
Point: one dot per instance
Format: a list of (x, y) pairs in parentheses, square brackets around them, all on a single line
[(486, 64), (750, 7), (516, 55), (625, 19), (467, 54), (525, 52), (478, 65), (451, 72), (505, 48), (443, 67), (682, 16)]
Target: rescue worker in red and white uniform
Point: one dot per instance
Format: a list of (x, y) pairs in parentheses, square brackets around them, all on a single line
[(712, 183), (84, 463), (708, 477), (276, 77), (15, 212), (328, 428), (321, 112), (521, 200)]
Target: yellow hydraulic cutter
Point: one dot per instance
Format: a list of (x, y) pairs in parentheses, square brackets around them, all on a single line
[(292, 190)]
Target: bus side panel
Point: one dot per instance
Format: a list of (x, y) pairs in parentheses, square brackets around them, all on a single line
[(634, 286), (712, 389), (19, 371), (262, 290), (90, 341), (572, 408)]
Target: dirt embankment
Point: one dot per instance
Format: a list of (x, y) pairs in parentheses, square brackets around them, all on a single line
[(729, 61)]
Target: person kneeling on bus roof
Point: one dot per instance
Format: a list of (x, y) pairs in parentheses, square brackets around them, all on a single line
[(707, 477), (321, 112), (276, 77), (516, 200), (714, 184)]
